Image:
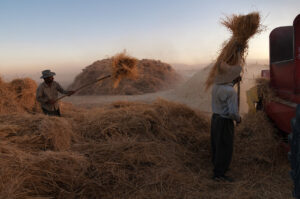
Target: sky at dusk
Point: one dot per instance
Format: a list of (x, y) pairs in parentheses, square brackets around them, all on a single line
[(67, 35)]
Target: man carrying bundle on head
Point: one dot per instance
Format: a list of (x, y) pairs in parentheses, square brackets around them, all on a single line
[(225, 73), (225, 111), (47, 93)]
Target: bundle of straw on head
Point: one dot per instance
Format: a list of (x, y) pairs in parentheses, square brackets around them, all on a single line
[(123, 66), (234, 51)]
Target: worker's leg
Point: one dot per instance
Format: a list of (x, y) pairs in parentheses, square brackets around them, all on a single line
[(58, 112), (51, 113), (227, 143), (222, 139), (213, 136)]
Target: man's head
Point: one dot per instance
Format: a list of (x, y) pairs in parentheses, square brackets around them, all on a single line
[(231, 74), (49, 80), (47, 75)]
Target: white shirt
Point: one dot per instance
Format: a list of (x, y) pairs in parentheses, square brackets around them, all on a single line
[(225, 102)]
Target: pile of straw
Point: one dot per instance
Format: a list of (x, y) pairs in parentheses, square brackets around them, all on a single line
[(152, 76), (134, 150), (24, 90), (254, 130), (18, 96), (7, 102), (264, 89), (123, 66), (36, 132), (259, 161), (234, 51), (41, 175)]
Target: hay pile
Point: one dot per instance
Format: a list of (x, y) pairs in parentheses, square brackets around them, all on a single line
[(18, 96), (264, 89), (135, 150), (152, 76), (234, 51), (36, 132)]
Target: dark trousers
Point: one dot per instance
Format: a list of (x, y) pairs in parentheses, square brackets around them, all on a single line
[(51, 113), (222, 133)]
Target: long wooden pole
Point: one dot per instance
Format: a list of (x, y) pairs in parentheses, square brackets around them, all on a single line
[(239, 94), (84, 86)]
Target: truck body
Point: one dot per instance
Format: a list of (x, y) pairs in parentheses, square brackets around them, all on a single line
[(284, 44)]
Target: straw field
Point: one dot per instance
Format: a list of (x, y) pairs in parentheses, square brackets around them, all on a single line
[(150, 76), (133, 150)]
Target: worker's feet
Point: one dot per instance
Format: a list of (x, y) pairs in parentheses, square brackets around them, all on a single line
[(222, 178)]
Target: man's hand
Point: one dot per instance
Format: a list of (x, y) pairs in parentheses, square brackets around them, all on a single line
[(70, 93), (51, 101)]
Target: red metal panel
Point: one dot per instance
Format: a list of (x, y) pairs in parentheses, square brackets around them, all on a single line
[(282, 76), (281, 44), (296, 25), (281, 115), (288, 96)]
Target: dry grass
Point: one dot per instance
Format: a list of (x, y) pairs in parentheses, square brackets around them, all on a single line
[(36, 132), (264, 90), (234, 51), (135, 150), (42, 174), (152, 77), (18, 96), (123, 66)]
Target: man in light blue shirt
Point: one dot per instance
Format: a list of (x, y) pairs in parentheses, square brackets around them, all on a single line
[(225, 111)]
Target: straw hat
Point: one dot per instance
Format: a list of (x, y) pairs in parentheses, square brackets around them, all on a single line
[(230, 73), (47, 73)]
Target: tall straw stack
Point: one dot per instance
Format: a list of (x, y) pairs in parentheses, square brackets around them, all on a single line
[(123, 66), (234, 52)]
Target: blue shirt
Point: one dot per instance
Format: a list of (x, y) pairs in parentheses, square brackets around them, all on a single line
[(225, 102)]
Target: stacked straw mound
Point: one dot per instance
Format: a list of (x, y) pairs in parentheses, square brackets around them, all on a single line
[(234, 51), (151, 76), (18, 96), (36, 132), (134, 150)]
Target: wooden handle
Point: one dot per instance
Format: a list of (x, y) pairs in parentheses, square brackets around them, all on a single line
[(239, 94), (86, 85)]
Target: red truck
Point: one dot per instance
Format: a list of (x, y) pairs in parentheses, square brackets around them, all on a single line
[(284, 74)]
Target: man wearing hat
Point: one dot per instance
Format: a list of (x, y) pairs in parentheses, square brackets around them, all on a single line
[(47, 93), (225, 111)]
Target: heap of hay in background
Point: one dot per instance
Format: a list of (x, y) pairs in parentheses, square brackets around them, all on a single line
[(123, 66), (152, 76), (233, 52)]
